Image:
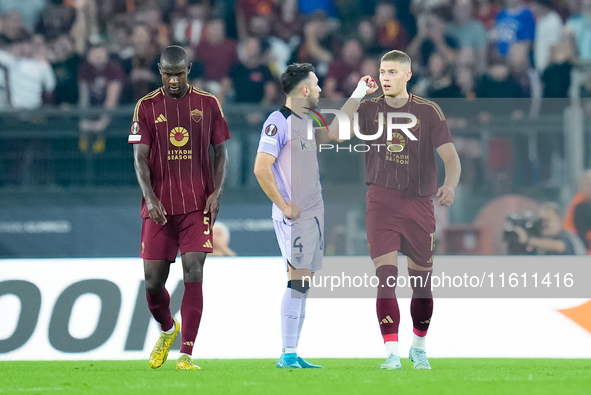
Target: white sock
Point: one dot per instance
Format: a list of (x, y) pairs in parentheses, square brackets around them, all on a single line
[(418, 341), (302, 317), (291, 310), (392, 348), (171, 330)]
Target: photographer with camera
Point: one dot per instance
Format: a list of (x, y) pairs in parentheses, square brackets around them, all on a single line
[(551, 239)]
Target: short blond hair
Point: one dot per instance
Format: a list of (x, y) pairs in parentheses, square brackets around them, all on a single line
[(396, 56)]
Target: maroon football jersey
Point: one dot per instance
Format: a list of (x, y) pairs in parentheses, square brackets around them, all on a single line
[(407, 164), (179, 133)]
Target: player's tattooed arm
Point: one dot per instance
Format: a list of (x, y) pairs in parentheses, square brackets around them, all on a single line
[(264, 174), (220, 162), (366, 86), (453, 168), (156, 210)]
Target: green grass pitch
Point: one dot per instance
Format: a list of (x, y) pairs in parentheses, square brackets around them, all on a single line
[(259, 376)]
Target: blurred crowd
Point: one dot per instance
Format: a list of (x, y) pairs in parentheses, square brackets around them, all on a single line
[(105, 53), (90, 52)]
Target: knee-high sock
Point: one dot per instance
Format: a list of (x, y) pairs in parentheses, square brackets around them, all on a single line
[(421, 305), (159, 305), (387, 304), (302, 317), (191, 310), (291, 312)]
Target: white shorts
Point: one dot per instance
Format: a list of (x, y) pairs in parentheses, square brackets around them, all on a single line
[(302, 243)]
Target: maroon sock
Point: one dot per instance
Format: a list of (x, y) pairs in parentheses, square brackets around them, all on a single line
[(191, 310), (159, 305), (421, 305), (387, 304)]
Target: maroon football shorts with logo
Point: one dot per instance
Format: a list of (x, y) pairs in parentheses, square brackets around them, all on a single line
[(400, 221), (190, 232)]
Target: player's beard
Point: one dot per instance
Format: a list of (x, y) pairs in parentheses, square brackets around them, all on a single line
[(313, 102)]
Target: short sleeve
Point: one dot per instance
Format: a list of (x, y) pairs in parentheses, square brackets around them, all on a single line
[(220, 132), (140, 131), (273, 136), (439, 133), (527, 27)]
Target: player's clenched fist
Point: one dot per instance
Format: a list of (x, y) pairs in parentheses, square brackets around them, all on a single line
[(366, 86), (447, 195), (371, 84)]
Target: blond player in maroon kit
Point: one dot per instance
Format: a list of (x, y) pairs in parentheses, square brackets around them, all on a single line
[(402, 178), (172, 130)]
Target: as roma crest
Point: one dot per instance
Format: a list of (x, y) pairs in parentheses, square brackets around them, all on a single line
[(196, 115)]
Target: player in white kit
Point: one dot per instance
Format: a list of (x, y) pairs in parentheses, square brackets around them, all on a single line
[(286, 167)]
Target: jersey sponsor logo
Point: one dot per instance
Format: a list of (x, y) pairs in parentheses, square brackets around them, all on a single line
[(271, 130), (397, 143), (196, 115), (208, 244), (160, 118), (268, 140), (179, 136), (135, 127), (134, 137), (180, 154), (307, 145)]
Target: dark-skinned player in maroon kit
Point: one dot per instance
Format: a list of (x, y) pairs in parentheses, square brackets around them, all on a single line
[(402, 179), (172, 130)]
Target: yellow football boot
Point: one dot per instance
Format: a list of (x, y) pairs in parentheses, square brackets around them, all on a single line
[(186, 363), (162, 347)]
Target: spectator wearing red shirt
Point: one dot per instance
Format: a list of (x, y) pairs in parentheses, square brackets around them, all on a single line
[(246, 10), (218, 53), (288, 23), (391, 33), (344, 73)]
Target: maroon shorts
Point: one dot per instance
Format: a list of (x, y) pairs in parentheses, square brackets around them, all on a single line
[(190, 232), (400, 221)]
